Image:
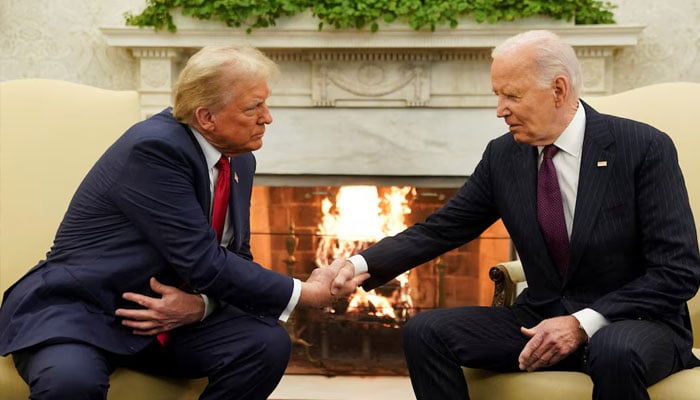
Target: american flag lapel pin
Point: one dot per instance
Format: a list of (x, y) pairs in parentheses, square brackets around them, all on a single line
[(235, 176), (602, 164)]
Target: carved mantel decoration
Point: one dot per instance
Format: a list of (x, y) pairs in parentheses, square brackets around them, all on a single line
[(394, 67)]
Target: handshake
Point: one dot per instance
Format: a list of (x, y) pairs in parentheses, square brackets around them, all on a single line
[(327, 284)]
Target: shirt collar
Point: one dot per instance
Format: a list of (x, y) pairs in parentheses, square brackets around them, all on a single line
[(571, 139), (211, 154)]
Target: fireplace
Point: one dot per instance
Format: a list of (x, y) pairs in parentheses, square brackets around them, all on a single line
[(296, 227)]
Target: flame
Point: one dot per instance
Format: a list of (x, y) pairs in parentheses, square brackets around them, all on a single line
[(359, 218), (378, 305)]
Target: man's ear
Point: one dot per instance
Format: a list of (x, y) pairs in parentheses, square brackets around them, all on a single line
[(205, 119), (561, 90)]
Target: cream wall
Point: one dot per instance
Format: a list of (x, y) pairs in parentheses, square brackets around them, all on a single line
[(669, 46), (60, 39)]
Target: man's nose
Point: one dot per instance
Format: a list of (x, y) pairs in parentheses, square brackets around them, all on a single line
[(502, 110), (266, 117)]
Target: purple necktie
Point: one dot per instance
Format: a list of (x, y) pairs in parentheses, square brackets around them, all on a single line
[(550, 211)]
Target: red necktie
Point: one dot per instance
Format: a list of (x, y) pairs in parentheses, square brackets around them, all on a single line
[(219, 207), (550, 211), (221, 195)]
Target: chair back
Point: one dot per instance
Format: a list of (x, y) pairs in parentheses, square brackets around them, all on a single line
[(670, 107), (51, 133)]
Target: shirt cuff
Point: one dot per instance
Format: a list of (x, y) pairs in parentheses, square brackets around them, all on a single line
[(590, 320), (296, 292), (360, 264), (209, 306)]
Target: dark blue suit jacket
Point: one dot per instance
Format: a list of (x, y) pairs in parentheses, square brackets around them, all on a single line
[(141, 211), (634, 250)]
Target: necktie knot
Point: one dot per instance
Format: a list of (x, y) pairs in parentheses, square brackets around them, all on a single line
[(222, 164), (549, 151)]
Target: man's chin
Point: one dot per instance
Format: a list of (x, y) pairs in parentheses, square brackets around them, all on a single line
[(519, 137), (255, 144)]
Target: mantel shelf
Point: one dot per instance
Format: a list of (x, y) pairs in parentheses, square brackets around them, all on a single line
[(473, 36)]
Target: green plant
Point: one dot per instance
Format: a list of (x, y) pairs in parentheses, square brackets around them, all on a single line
[(341, 14)]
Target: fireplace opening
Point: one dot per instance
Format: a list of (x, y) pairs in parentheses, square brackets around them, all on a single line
[(300, 223)]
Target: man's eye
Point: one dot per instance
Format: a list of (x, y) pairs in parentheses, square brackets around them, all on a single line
[(253, 109)]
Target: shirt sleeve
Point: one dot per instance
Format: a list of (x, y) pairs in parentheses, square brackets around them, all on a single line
[(360, 264), (209, 306), (293, 300), (590, 320)]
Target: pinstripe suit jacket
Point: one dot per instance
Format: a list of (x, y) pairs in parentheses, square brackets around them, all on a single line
[(634, 251)]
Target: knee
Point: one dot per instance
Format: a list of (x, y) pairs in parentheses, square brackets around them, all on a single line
[(64, 383), (275, 348), (250, 365), (606, 355), (420, 329), (412, 328), (64, 371)]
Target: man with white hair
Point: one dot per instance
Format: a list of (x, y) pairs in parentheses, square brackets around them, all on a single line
[(597, 209)]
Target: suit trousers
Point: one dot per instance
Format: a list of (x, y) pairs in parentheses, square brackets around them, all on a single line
[(243, 356), (623, 358)]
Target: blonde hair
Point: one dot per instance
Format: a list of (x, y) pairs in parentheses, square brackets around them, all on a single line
[(213, 74), (553, 57)]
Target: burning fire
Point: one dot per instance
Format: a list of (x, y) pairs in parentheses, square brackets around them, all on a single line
[(377, 305), (358, 219)]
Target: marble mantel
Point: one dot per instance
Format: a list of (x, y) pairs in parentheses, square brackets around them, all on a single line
[(394, 67), (339, 81)]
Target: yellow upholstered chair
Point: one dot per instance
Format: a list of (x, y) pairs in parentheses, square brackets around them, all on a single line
[(51, 132), (671, 107)]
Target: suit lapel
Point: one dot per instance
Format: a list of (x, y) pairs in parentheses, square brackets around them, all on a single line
[(597, 162), (233, 211), (525, 171), (202, 190)]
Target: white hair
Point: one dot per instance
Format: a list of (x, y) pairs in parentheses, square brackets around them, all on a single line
[(553, 57)]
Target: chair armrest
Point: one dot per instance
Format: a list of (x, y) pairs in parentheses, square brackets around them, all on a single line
[(506, 276)]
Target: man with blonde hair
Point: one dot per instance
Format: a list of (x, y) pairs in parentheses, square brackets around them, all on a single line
[(151, 267), (597, 209)]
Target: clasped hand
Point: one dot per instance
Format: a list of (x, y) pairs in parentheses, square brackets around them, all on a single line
[(551, 341), (326, 284)]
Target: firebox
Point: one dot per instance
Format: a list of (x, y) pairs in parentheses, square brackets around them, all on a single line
[(299, 223)]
